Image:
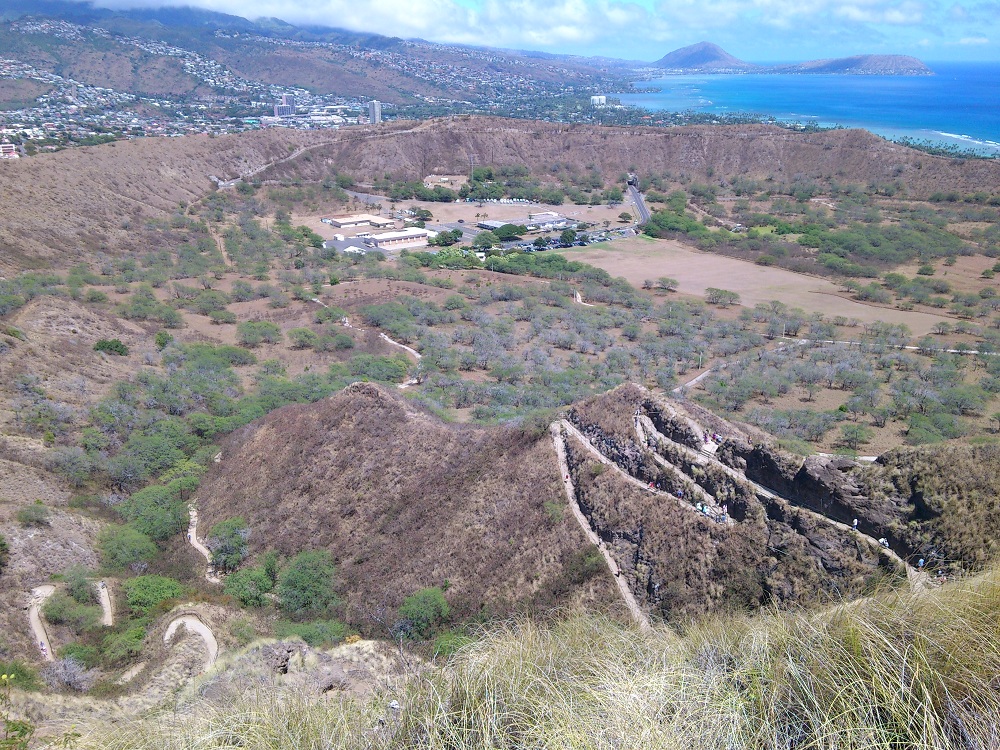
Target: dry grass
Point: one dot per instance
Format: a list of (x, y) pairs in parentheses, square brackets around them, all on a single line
[(897, 671), (404, 501)]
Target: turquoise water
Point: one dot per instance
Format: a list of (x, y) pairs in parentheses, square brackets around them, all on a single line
[(960, 105)]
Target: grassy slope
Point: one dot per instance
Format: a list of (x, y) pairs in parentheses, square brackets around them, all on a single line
[(897, 671)]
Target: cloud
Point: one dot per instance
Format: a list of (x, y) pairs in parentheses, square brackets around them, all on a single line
[(973, 40), (634, 28)]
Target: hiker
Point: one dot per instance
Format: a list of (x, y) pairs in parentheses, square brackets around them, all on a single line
[(854, 525), (920, 563), (884, 542)]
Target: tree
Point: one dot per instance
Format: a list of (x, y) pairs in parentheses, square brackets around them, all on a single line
[(249, 586), (305, 588), (667, 284), (486, 239), (228, 542), (996, 418), (624, 217), (424, 611), (123, 547), (4, 553), (721, 297), (568, 237), (854, 435)]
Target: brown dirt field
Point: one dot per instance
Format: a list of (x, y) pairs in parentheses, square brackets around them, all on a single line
[(964, 276), (644, 258)]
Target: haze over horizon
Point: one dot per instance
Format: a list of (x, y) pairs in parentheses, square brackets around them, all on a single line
[(753, 30)]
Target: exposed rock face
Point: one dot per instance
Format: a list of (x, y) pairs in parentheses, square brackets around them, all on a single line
[(826, 485), (681, 561)]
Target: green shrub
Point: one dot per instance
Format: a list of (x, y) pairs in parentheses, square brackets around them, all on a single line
[(88, 656), (95, 296), (118, 648), (62, 609), (424, 611), (79, 585), (305, 587), (23, 676), (145, 593), (4, 553), (35, 514), (249, 586), (315, 632), (228, 542), (123, 547), (111, 346), (449, 642), (251, 333)]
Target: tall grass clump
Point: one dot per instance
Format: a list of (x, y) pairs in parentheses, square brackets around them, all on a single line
[(910, 671)]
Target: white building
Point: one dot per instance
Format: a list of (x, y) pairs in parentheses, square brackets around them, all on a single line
[(8, 151), (374, 111), (598, 101), (359, 220), (411, 237)]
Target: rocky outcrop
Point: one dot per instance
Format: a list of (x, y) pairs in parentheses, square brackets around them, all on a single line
[(824, 484)]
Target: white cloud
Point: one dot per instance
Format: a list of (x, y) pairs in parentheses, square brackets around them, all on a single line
[(973, 40)]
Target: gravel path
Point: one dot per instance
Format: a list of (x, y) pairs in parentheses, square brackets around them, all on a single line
[(195, 625), (38, 596)]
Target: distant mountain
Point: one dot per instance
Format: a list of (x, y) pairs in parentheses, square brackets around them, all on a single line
[(705, 57), (898, 65)]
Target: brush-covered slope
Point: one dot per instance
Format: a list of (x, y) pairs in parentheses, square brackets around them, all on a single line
[(79, 203), (404, 501), (82, 203)]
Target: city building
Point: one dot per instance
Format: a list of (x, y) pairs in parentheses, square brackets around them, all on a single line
[(8, 151), (288, 100), (598, 101), (412, 237), (374, 111), (359, 220)]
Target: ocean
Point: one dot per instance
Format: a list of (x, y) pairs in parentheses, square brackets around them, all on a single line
[(959, 106)]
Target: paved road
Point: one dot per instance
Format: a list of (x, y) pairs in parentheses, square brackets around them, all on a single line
[(640, 204)]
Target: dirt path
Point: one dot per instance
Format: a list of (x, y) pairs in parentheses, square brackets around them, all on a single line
[(38, 596), (558, 440), (579, 299), (104, 596), (569, 428), (202, 549), (195, 625)]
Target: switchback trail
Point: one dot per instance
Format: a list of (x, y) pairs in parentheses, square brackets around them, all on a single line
[(202, 549), (559, 441), (104, 596), (195, 625), (645, 429), (38, 596), (570, 429)]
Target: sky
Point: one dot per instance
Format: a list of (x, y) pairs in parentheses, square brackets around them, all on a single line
[(754, 30)]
